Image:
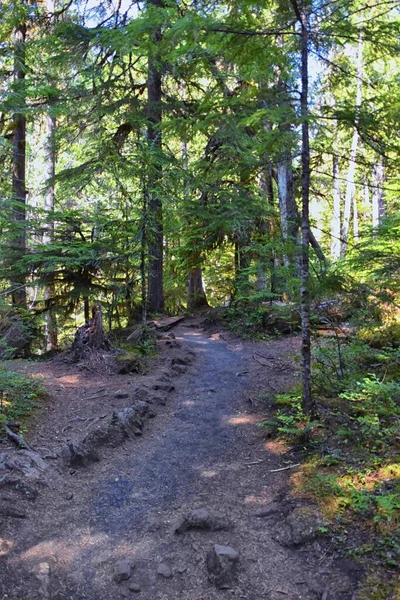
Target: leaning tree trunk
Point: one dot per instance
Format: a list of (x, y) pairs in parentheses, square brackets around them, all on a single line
[(155, 208), (18, 244)]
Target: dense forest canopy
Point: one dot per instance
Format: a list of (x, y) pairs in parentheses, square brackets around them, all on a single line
[(162, 156)]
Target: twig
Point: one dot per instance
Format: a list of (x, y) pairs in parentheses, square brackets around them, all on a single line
[(285, 468), (325, 593), (17, 439), (255, 462)]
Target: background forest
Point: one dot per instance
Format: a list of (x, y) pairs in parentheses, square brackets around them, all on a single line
[(151, 149), (167, 156)]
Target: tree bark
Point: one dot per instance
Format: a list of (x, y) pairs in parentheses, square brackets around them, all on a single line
[(155, 208), (335, 222), (350, 186), (18, 245), (378, 204), (287, 206), (307, 400), (197, 298)]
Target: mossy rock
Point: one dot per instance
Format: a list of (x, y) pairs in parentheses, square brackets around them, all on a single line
[(128, 362), (381, 337)]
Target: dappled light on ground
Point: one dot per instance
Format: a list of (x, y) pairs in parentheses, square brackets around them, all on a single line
[(243, 420), (276, 447), (208, 473)]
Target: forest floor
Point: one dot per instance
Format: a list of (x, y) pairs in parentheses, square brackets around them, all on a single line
[(201, 449)]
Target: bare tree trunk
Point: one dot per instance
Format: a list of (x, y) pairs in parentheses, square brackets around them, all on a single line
[(155, 208), (350, 187), (48, 235), (19, 167), (335, 222), (378, 204), (307, 401), (355, 219), (49, 196), (196, 291), (287, 205)]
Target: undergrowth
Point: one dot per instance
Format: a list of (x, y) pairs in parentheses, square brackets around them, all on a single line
[(255, 321), (19, 395), (352, 444)]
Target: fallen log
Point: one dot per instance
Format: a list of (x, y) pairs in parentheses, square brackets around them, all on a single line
[(161, 324)]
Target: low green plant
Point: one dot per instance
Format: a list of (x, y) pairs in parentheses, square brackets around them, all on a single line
[(19, 394)]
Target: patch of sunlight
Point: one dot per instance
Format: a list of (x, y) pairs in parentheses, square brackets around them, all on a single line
[(5, 546), (69, 379), (259, 500), (243, 420), (66, 551), (278, 447), (208, 474), (188, 403)]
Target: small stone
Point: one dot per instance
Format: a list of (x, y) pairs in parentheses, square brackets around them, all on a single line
[(201, 518), (180, 361), (222, 563), (198, 558), (159, 400), (164, 387), (178, 370), (164, 570), (300, 527), (182, 570), (135, 587), (121, 394), (151, 413), (122, 570), (69, 496)]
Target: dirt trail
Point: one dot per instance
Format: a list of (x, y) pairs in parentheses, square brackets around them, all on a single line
[(202, 450)]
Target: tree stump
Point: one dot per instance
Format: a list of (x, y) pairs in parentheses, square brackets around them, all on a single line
[(90, 338)]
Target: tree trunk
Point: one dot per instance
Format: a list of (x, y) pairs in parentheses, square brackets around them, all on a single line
[(335, 222), (378, 204), (287, 206), (18, 245), (48, 235), (307, 400), (197, 298), (350, 186), (155, 208)]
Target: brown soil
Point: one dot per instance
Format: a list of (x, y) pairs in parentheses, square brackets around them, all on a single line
[(202, 449)]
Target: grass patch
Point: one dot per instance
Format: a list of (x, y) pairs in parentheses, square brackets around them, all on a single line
[(19, 395)]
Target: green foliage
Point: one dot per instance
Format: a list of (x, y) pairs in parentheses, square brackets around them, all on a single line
[(19, 394)]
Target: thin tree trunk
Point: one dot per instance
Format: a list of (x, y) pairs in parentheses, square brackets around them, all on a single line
[(355, 219), (378, 204), (19, 167), (350, 186), (307, 401), (335, 222), (155, 208), (287, 205), (48, 236), (143, 245)]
